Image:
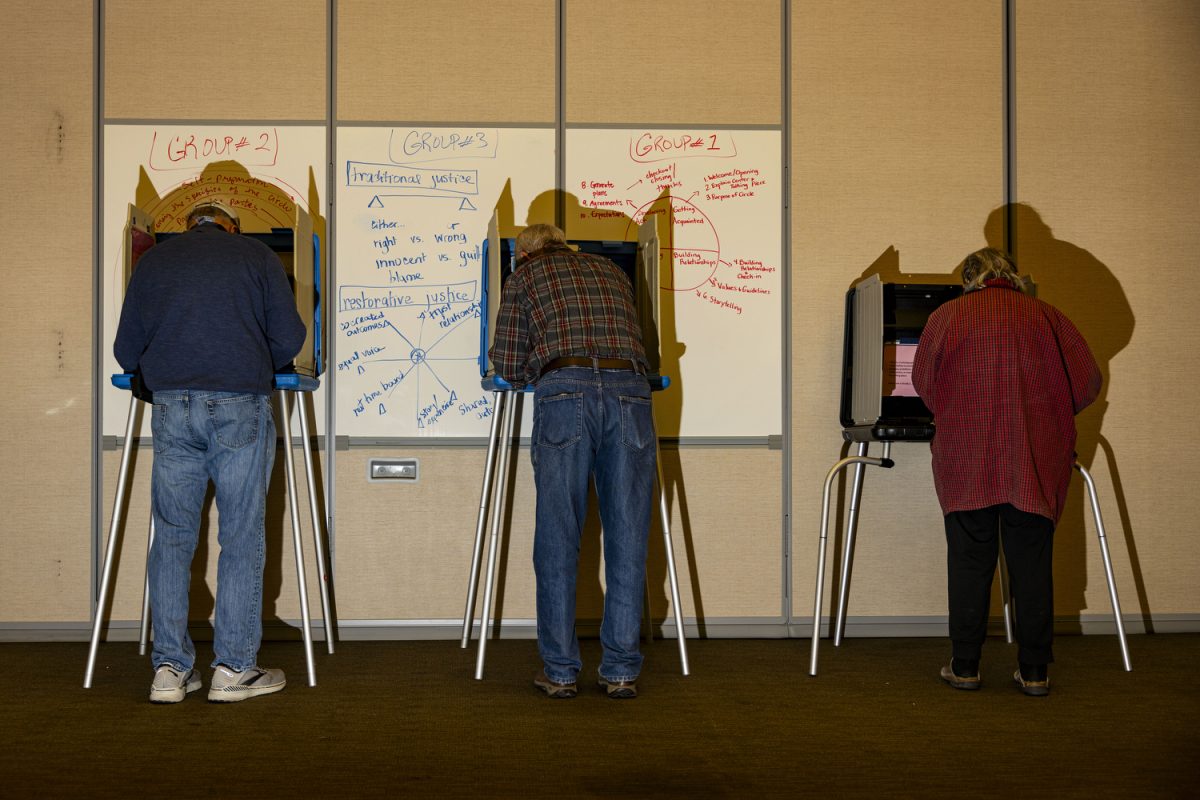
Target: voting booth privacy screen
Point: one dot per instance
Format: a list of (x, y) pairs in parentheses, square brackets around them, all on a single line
[(638, 260), (883, 326), (298, 248)]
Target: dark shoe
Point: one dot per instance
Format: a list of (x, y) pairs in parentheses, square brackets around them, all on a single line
[(556, 691), (619, 690), (961, 678), (1033, 680)]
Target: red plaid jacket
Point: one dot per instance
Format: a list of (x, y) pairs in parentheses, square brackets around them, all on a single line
[(1004, 375), (563, 303)]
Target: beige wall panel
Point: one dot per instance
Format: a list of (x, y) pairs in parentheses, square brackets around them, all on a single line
[(403, 552), (257, 61), (46, 311), (727, 530), (689, 62), (472, 61), (1109, 172), (897, 156), (129, 562), (281, 598)]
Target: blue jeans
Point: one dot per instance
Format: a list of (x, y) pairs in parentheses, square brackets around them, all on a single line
[(230, 439), (588, 422)]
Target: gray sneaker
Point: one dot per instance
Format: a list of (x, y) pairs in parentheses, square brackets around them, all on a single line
[(170, 685), (232, 687)]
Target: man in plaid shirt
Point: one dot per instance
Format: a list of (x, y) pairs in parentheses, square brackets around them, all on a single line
[(1004, 375), (567, 323)]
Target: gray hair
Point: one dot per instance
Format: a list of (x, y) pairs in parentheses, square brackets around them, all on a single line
[(537, 236), (988, 263)]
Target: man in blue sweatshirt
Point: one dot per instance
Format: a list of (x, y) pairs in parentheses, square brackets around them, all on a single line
[(208, 319)]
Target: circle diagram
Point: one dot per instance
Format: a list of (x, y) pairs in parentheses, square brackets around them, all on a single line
[(688, 242)]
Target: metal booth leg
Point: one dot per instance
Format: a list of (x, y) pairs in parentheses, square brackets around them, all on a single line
[(318, 529), (671, 572), (886, 463), (1002, 565), (499, 401), (144, 628), (290, 470), (110, 547), (510, 414), (839, 630), (1108, 570)]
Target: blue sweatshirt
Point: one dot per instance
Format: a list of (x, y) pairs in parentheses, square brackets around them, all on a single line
[(209, 310)]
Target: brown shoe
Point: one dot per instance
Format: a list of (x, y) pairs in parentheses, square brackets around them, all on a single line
[(619, 690), (1033, 688), (553, 690), (968, 682)]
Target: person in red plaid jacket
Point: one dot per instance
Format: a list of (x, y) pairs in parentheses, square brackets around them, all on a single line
[(568, 324), (1004, 375)]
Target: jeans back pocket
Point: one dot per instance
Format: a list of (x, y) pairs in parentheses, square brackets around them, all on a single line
[(235, 420), (158, 427), (637, 422), (559, 419)]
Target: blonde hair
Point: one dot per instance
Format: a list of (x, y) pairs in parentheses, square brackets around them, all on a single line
[(537, 236), (988, 263)]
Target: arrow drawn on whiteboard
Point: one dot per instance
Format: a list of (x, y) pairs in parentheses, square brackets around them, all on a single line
[(635, 205), (464, 203), (627, 188), (693, 194)]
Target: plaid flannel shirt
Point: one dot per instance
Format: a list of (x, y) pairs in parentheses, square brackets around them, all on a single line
[(563, 303), (1004, 375)]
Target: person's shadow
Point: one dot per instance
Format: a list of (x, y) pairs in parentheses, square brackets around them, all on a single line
[(1082, 287)]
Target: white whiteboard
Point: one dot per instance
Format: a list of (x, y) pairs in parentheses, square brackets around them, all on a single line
[(262, 171), (718, 195), (413, 206)]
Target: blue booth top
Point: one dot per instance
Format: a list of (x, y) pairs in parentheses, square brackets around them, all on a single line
[(286, 381)]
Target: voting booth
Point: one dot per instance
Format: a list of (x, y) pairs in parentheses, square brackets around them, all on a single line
[(640, 263), (883, 326), (638, 260), (299, 250)]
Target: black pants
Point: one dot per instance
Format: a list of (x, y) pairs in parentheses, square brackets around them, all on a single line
[(972, 547)]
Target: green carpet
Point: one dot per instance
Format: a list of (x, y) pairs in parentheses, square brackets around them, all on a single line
[(407, 719)]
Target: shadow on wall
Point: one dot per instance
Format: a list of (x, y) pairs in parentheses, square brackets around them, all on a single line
[(1084, 288)]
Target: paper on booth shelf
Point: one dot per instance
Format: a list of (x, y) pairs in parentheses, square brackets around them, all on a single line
[(897, 370)]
